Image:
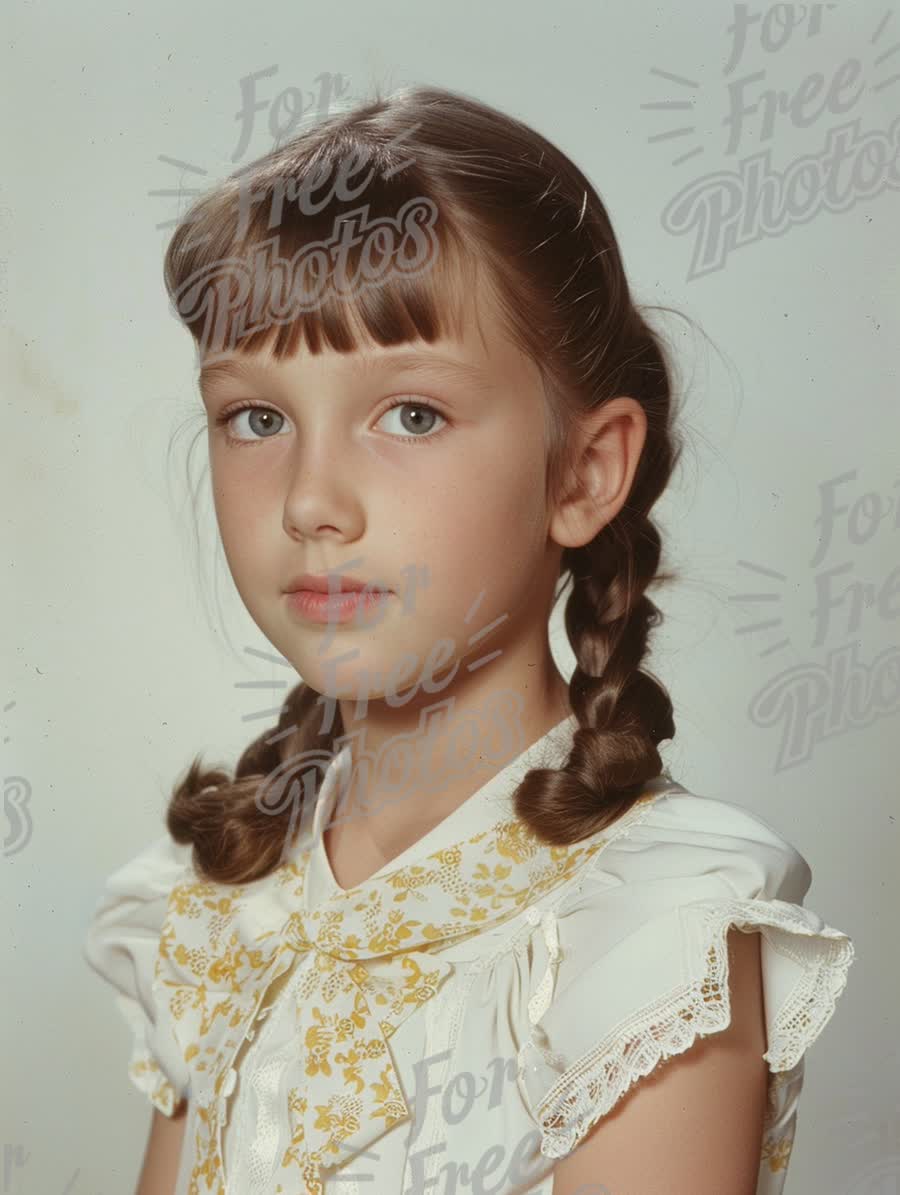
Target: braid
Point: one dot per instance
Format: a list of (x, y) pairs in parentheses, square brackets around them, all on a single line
[(622, 710), (236, 841)]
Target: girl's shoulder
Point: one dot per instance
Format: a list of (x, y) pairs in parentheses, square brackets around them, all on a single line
[(160, 931), (122, 944), (157, 898), (133, 899), (630, 964), (672, 878), (682, 836)]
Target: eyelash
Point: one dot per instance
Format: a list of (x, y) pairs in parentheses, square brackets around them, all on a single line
[(227, 415)]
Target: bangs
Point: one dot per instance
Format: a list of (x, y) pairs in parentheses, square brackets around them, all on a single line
[(253, 267)]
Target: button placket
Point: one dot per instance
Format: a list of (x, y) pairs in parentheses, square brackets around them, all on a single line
[(231, 1074)]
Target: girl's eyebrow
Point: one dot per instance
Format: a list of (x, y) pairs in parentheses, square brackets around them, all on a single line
[(233, 368), (409, 360)]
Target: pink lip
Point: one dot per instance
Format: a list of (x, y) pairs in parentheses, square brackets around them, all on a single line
[(331, 608), (328, 583)]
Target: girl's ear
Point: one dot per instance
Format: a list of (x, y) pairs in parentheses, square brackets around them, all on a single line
[(607, 448)]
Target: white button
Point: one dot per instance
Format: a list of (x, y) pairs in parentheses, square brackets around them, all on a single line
[(230, 1080)]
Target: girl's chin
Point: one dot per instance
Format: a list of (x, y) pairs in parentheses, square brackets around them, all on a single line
[(382, 681)]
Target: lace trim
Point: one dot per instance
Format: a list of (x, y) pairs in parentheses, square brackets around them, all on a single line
[(669, 1026), (545, 914)]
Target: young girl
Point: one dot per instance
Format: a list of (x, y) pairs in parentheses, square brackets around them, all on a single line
[(450, 926)]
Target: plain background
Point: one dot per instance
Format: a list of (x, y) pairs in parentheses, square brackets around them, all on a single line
[(126, 648)]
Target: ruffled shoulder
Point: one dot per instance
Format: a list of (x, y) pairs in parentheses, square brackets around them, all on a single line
[(121, 945), (637, 965)]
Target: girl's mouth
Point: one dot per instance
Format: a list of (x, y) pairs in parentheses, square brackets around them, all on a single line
[(335, 607)]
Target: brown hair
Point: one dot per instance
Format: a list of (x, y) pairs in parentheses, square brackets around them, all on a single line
[(519, 217)]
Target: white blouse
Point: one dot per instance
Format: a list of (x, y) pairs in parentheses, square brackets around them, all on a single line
[(546, 1020)]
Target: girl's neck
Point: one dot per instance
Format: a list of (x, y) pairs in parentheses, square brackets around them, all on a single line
[(373, 821)]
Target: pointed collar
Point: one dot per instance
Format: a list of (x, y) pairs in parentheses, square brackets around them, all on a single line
[(491, 803)]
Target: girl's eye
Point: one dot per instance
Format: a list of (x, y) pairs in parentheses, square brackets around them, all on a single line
[(419, 410), (260, 421)]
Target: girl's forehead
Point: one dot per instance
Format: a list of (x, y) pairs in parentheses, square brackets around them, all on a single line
[(449, 357)]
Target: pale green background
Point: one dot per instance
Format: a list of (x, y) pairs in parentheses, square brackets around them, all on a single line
[(114, 652)]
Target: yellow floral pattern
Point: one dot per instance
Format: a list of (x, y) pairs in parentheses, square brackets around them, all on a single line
[(376, 960)]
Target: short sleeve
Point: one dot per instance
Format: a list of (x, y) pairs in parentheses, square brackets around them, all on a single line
[(641, 962), (122, 945)]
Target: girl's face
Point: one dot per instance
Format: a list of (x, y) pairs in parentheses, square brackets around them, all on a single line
[(419, 468)]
